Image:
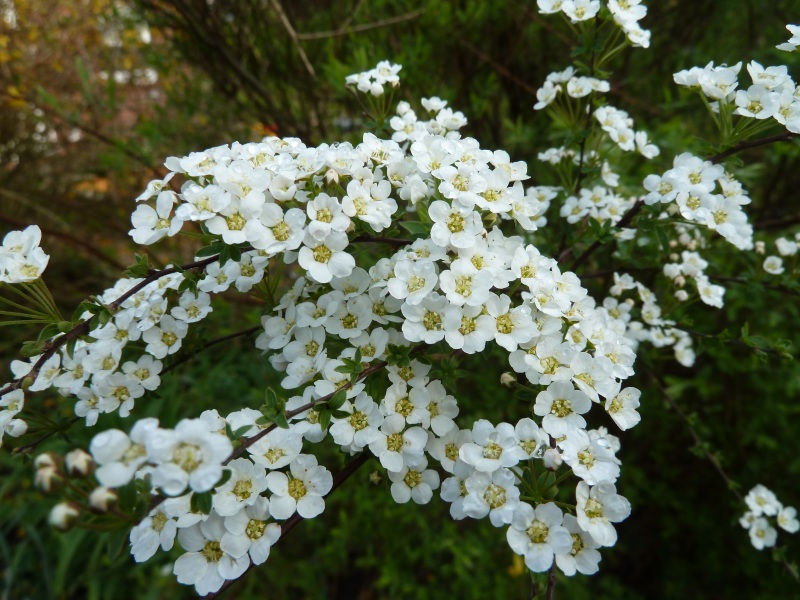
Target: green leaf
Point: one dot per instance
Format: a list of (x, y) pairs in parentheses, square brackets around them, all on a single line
[(324, 417), (201, 503), (338, 399), (226, 475), (140, 268), (415, 227), (211, 249)]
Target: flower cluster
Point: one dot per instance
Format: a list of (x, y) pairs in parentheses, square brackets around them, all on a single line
[(459, 285), (772, 94), (763, 504), (21, 258), (469, 278), (703, 193), (794, 41), (374, 80), (626, 13)]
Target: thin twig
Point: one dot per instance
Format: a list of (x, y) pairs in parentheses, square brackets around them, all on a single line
[(778, 137), (623, 222), (500, 69), (287, 24), (319, 35), (190, 355), (82, 328), (551, 582)]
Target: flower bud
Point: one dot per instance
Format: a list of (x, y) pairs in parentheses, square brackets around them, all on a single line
[(680, 281), (674, 257), (682, 295), (79, 463), (16, 428), (46, 459), (332, 176), (760, 247), (48, 479), (375, 478), (507, 379), (63, 515), (552, 459), (102, 499)]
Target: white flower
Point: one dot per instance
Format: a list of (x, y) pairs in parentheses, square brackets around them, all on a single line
[(762, 501), (491, 447), (561, 405), (414, 482), (583, 557), (361, 428), (250, 532), (303, 492), (191, 454), (325, 259), (622, 408), (206, 565), (246, 483), (773, 265), (494, 494), (537, 534), (598, 507), (154, 531), (276, 449), (762, 534), (396, 447), (787, 519)]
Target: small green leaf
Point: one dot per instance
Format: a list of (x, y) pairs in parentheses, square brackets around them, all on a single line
[(201, 503), (338, 399)]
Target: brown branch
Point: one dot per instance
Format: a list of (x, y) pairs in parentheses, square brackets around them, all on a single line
[(143, 160), (319, 35), (623, 222), (500, 69), (190, 355), (732, 486), (551, 582), (76, 241), (778, 137), (293, 413), (82, 328), (712, 459), (380, 240), (287, 24)]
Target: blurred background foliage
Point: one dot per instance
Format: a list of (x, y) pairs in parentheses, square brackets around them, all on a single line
[(95, 94)]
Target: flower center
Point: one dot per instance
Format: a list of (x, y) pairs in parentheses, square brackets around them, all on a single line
[(492, 450), (297, 489), (242, 489), (495, 496), (538, 532), (212, 552)]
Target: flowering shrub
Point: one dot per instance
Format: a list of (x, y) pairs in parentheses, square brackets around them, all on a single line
[(376, 264)]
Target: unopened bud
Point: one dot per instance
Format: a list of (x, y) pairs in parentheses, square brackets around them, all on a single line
[(102, 499), (332, 176), (760, 247), (48, 479), (552, 459), (46, 459), (680, 281), (674, 257), (682, 295), (79, 463), (375, 477), (673, 243), (507, 379), (64, 515), (16, 428)]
